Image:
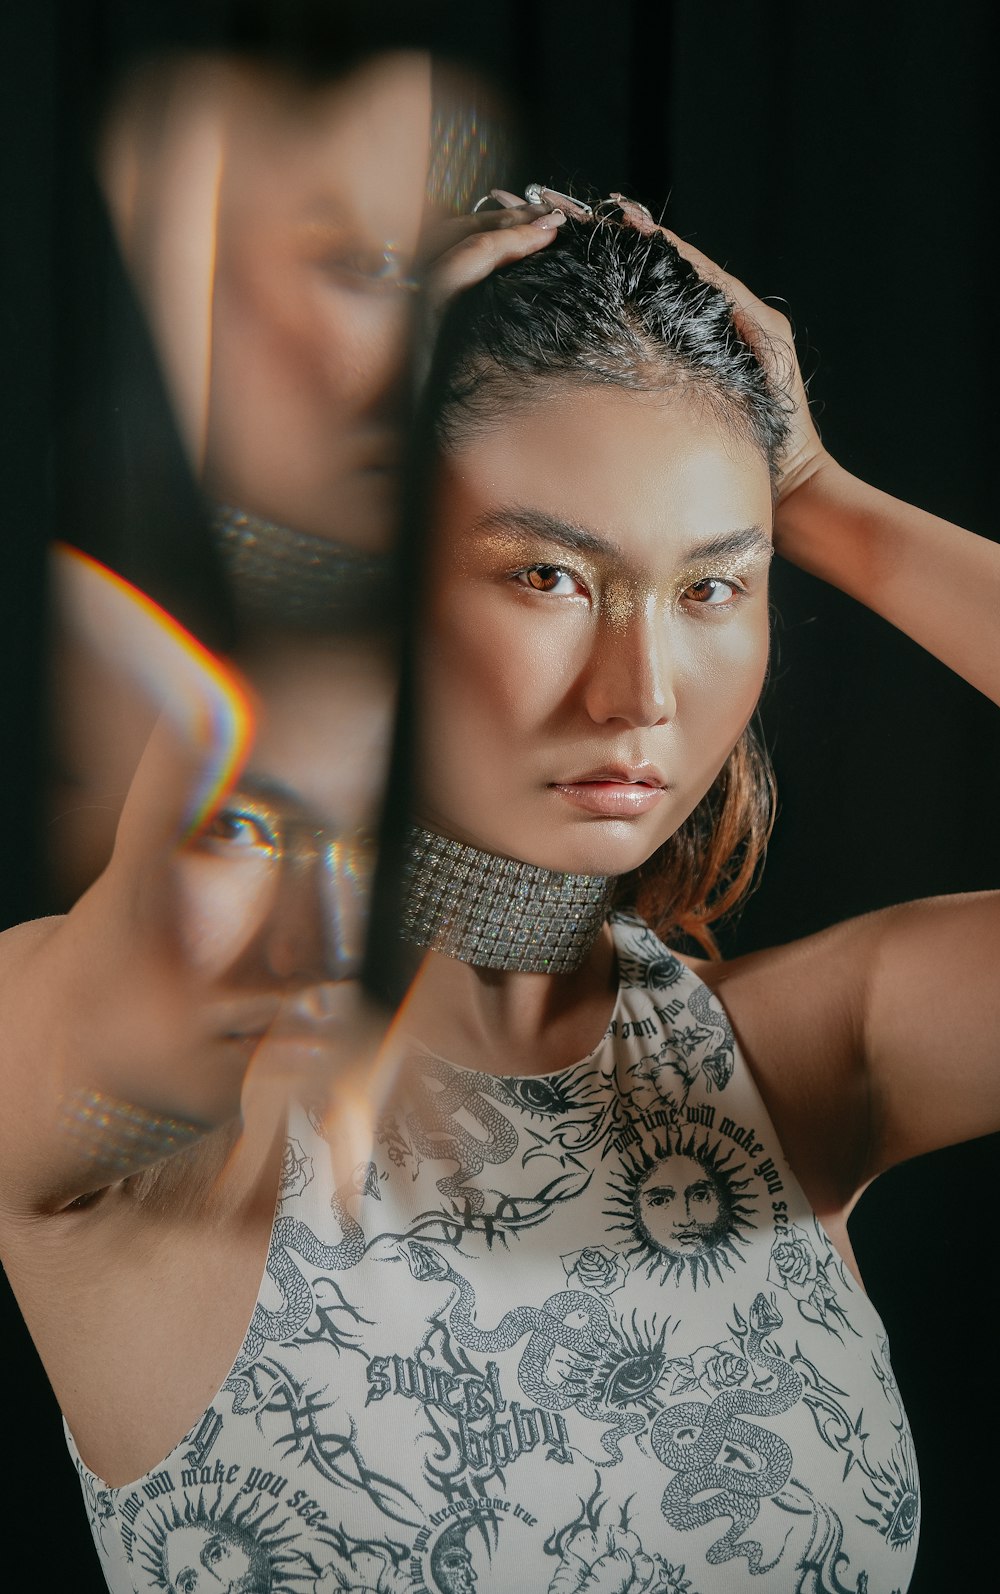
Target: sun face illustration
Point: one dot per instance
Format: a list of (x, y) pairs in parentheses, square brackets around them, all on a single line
[(232, 1548), (684, 1203)]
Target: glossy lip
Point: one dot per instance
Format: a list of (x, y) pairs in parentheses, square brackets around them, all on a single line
[(619, 774), (615, 792)]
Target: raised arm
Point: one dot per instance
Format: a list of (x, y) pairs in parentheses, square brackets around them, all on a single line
[(880, 1038)]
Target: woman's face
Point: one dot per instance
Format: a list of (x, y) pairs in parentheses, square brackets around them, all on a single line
[(597, 633), (320, 205)]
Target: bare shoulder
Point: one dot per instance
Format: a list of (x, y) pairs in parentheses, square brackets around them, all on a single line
[(843, 1032)]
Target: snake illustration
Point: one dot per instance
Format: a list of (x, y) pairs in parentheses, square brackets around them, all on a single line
[(438, 1133), (291, 1234), (735, 1493), (607, 1369)]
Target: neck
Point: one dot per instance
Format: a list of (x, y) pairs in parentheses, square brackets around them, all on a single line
[(505, 1022)]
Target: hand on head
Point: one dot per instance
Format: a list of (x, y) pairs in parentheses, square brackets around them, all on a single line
[(770, 335)]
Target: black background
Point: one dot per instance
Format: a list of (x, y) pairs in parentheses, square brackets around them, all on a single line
[(839, 157)]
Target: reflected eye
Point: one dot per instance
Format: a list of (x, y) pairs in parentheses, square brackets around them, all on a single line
[(712, 593), (549, 578), (372, 269), (239, 832)]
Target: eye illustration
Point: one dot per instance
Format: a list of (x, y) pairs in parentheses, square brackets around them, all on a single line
[(903, 1523), (634, 1378), (541, 1096)]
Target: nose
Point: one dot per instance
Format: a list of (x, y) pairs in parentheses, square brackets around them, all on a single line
[(294, 939), (631, 673)]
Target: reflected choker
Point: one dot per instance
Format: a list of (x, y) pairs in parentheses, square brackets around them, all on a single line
[(499, 913)]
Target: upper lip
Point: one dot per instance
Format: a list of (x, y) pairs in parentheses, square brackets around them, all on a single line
[(624, 774)]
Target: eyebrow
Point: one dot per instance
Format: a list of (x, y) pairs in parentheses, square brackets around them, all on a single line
[(577, 539), (539, 524)]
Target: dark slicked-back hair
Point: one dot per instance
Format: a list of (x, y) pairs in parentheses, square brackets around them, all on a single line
[(601, 304), (604, 304)]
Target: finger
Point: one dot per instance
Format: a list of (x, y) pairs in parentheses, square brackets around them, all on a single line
[(446, 234), (742, 297), (481, 253), (503, 196)]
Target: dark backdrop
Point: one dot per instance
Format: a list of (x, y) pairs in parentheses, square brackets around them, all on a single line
[(838, 157)]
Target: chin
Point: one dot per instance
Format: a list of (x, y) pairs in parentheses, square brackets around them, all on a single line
[(612, 847)]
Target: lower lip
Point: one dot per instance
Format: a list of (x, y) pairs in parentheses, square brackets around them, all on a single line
[(612, 799)]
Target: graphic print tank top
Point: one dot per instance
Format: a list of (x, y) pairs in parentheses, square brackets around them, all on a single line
[(571, 1331)]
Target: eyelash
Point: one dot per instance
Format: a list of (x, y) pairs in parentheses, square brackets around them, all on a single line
[(369, 270), (738, 590), (263, 837)]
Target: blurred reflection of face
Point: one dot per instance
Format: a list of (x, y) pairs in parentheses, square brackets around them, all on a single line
[(273, 891), (590, 658), (320, 204)]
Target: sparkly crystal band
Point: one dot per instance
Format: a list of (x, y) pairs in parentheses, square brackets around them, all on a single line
[(499, 913)]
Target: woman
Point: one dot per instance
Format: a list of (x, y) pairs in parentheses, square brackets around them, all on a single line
[(575, 1323)]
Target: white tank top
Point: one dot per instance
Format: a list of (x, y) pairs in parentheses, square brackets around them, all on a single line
[(577, 1331)]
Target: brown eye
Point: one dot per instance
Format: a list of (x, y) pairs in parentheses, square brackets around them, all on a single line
[(549, 578), (711, 593), (235, 831)]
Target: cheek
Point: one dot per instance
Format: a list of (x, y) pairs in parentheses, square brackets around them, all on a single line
[(283, 330), (494, 664), (221, 907), (728, 675)]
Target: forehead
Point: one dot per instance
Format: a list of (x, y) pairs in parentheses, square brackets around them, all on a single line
[(653, 472), (351, 155)]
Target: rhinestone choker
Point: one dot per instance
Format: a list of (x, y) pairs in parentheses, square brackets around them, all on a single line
[(499, 913), (296, 580)]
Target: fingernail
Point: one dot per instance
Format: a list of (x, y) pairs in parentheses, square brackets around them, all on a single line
[(632, 204), (504, 197), (552, 218)]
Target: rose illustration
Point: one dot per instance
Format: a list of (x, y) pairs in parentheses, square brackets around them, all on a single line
[(793, 1264), (611, 1560), (296, 1169), (718, 1367), (725, 1372), (365, 1572), (595, 1268)]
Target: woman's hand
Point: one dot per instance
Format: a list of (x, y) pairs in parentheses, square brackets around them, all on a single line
[(769, 334), (463, 250)]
